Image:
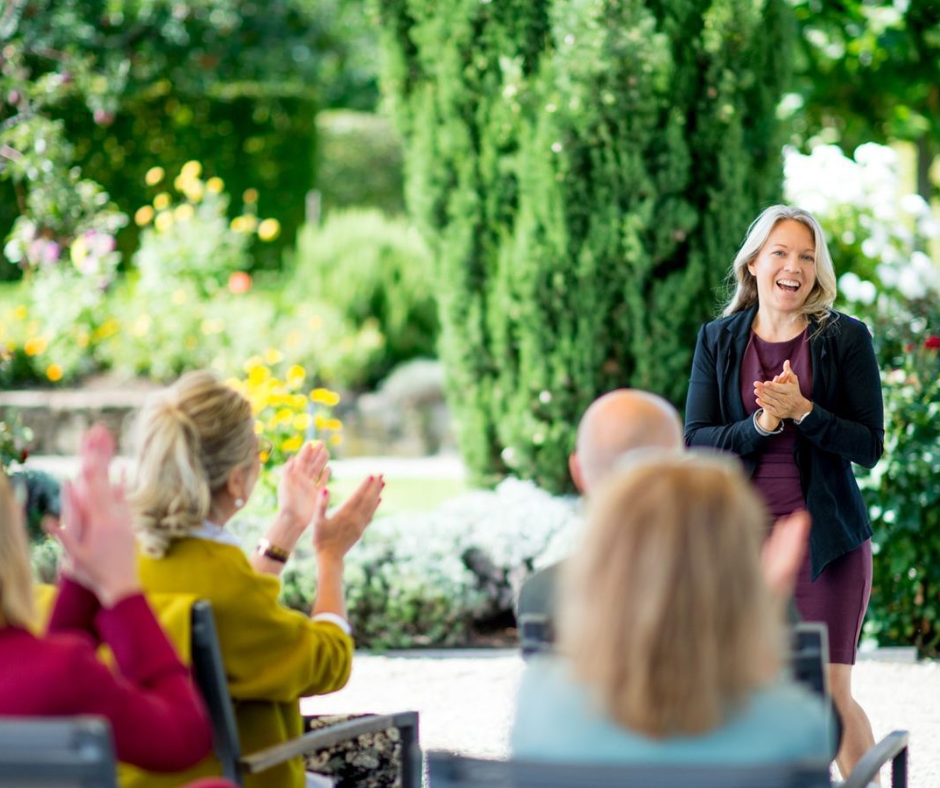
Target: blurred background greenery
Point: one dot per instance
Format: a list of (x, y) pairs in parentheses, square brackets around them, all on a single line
[(545, 195)]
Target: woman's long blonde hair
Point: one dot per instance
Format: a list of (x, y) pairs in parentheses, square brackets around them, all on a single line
[(190, 437), (16, 579), (665, 613), (818, 304)]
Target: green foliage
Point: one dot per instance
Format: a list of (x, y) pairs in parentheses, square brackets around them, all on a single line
[(902, 491), (373, 270), (359, 161), (117, 87), (869, 70), (584, 171)]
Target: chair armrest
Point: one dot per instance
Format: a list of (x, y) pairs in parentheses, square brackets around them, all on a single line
[(892, 747), (327, 737)]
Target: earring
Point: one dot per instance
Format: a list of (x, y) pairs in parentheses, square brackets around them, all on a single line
[(239, 503)]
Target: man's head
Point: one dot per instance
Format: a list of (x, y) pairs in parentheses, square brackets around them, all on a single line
[(618, 422)]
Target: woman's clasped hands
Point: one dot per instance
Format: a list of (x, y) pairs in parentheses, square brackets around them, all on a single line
[(781, 398)]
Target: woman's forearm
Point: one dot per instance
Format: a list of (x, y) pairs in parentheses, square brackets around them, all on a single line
[(330, 597)]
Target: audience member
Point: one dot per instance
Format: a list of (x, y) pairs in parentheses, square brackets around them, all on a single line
[(616, 423), (197, 464), (670, 640), (156, 715)]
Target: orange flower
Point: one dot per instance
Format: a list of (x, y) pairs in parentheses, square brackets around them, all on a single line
[(239, 282)]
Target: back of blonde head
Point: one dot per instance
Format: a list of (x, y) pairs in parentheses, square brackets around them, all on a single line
[(16, 583), (666, 615), (190, 437)]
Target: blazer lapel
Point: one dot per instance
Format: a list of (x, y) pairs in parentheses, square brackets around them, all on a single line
[(740, 332), (818, 350)]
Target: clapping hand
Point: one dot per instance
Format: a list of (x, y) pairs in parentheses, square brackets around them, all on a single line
[(305, 477), (95, 529), (334, 536), (781, 397)]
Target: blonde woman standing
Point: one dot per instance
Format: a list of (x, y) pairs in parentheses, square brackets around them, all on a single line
[(197, 464), (670, 638), (792, 387)]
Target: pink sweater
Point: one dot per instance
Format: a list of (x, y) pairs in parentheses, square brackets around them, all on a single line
[(156, 713)]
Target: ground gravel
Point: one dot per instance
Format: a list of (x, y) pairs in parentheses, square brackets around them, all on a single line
[(465, 699)]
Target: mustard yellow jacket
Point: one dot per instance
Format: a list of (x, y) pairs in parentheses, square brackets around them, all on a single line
[(273, 656)]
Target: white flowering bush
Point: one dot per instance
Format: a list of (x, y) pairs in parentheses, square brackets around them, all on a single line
[(877, 234), (422, 579)]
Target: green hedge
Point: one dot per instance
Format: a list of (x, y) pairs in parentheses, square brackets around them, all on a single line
[(359, 161), (584, 171)]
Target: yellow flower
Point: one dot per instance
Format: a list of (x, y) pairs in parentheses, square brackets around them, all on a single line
[(179, 183), (292, 444), (254, 361), (154, 176), (296, 372), (179, 297), (194, 190), (269, 229), (301, 422), (336, 440), (142, 325), (164, 221), (333, 424), (54, 372), (79, 250), (162, 201), (273, 356), (35, 346), (324, 397), (284, 416), (107, 329), (215, 184), (191, 169), (20, 312), (244, 223), (250, 196), (183, 213), (298, 402), (258, 375), (143, 216)]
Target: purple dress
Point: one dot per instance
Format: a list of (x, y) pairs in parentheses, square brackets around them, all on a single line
[(839, 596)]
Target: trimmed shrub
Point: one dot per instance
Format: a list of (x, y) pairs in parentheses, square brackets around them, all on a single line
[(371, 268), (359, 161), (584, 171)]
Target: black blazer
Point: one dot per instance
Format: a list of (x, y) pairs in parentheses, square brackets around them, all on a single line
[(846, 424)]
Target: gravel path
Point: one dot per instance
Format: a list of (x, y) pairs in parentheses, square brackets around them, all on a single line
[(465, 699)]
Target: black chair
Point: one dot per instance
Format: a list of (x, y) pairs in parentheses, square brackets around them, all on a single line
[(210, 676), (453, 771), (76, 752)]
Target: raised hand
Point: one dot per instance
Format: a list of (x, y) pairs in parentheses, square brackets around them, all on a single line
[(95, 530), (783, 552), (304, 477), (333, 536)]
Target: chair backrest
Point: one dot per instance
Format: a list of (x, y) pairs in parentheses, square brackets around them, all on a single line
[(209, 672), (809, 655), (76, 752), (452, 771)]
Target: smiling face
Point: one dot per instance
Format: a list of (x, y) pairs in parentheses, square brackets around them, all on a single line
[(785, 267)]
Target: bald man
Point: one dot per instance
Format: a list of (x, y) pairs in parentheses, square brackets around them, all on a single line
[(616, 423)]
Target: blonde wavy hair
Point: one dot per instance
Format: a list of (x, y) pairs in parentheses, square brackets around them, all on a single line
[(665, 614), (190, 437), (16, 580), (818, 304)]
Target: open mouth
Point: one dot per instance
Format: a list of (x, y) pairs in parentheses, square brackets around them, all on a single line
[(788, 285)]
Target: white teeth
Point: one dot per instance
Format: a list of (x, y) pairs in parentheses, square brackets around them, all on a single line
[(788, 283)]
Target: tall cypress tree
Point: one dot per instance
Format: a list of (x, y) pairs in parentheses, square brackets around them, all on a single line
[(584, 171)]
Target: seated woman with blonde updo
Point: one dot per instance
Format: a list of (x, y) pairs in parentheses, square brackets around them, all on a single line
[(670, 639), (197, 464)]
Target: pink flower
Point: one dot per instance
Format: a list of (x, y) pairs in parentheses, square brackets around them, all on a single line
[(932, 343), (239, 282)]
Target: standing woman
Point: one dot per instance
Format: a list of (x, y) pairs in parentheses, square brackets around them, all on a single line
[(793, 388)]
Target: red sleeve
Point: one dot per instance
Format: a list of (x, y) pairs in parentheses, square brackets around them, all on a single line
[(75, 609), (156, 714)]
